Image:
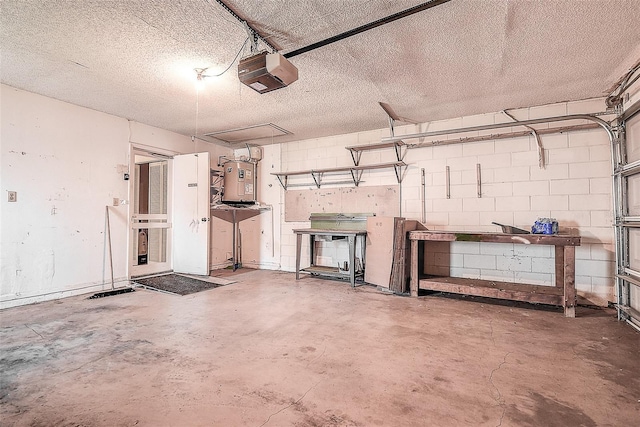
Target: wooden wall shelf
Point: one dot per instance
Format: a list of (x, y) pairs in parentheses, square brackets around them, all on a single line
[(356, 150), (355, 171)]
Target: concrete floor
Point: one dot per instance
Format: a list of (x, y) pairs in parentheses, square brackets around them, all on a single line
[(270, 351)]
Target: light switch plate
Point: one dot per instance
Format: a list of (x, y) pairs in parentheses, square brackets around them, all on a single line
[(13, 196)]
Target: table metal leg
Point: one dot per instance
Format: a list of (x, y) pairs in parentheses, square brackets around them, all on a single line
[(364, 251), (298, 250), (235, 241), (352, 259), (312, 250)]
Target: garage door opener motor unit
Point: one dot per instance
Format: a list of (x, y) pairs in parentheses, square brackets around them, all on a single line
[(265, 72)]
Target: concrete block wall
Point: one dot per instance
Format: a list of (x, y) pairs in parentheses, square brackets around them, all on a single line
[(575, 188), (329, 152)]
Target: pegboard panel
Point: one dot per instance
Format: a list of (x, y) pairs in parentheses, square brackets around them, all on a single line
[(383, 200)]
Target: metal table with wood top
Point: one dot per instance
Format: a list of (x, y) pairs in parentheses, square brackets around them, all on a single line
[(562, 294), (350, 235)]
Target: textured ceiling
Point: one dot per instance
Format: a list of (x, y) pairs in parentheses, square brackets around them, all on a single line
[(135, 59)]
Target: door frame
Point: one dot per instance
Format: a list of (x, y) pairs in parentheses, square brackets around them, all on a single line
[(134, 271)]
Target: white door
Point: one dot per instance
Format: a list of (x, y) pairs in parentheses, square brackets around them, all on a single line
[(191, 213)]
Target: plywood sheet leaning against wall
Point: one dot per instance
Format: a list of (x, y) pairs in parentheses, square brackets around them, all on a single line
[(388, 263), (383, 200)]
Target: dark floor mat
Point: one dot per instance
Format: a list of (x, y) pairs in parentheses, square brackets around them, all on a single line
[(177, 284)]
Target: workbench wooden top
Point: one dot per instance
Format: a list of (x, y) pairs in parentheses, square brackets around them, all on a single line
[(472, 236), (328, 232)]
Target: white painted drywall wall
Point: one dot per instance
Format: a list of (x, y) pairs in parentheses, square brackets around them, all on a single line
[(65, 162)]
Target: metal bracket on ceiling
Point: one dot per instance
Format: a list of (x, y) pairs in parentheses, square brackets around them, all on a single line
[(541, 158), (254, 34), (393, 118), (615, 100), (253, 37)]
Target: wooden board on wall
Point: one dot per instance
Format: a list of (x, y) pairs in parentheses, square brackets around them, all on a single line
[(383, 200)]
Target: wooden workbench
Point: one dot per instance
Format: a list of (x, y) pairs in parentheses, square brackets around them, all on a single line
[(562, 294)]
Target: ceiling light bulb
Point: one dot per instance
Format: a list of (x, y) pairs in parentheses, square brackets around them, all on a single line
[(200, 84)]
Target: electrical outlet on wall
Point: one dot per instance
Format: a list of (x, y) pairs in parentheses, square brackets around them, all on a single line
[(12, 196)]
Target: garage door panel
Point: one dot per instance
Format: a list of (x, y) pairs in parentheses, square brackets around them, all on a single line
[(627, 182), (634, 249), (635, 298), (633, 189), (633, 139)]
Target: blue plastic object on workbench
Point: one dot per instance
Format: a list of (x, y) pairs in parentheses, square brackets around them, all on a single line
[(545, 226)]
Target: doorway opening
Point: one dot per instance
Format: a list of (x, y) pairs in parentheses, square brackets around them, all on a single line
[(150, 235)]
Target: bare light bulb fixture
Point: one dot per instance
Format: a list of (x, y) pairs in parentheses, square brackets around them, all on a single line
[(200, 76)]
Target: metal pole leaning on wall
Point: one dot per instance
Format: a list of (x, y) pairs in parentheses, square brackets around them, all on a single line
[(400, 198), (109, 245), (479, 179), (448, 182), (113, 291), (424, 196)]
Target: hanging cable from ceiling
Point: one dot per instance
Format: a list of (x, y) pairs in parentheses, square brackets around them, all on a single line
[(200, 71), (200, 76), (197, 114)]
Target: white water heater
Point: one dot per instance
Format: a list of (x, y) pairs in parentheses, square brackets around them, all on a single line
[(240, 182)]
